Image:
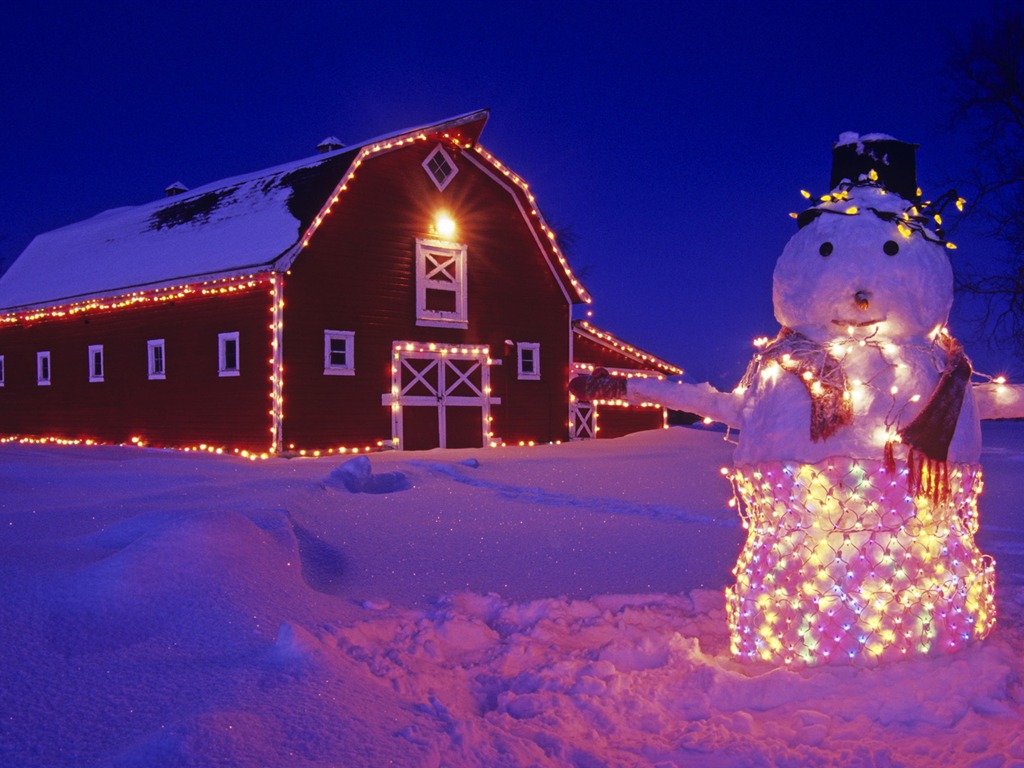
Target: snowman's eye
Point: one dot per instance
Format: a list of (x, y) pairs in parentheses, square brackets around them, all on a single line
[(825, 249), (891, 247)]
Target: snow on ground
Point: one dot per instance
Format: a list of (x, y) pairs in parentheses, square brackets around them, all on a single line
[(548, 606)]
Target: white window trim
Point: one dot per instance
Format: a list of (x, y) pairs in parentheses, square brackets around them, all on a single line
[(439, 150), (43, 381), (438, 318), (348, 368), (151, 346), (2, 370), (222, 342), (521, 347), (94, 350)]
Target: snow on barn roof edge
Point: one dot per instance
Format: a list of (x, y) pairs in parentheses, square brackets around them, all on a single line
[(234, 226)]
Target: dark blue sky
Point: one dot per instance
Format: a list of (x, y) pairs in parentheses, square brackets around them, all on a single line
[(671, 140)]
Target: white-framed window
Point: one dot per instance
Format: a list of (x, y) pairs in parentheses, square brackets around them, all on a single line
[(440, 167), (227, 354), (43, 371), (156, 355), (1, 370), (95, 362), (441, 284), (339, 353), (529, 360)]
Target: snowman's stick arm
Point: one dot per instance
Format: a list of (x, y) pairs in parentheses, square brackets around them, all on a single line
[(701, 399), (999, 401)]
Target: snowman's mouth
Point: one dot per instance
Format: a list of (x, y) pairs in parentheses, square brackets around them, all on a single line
[(851, 324)]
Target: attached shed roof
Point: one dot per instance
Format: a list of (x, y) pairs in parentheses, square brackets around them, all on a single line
[(234, 226), (587, 330)]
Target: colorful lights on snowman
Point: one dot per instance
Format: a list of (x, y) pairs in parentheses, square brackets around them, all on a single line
[(857, 469)]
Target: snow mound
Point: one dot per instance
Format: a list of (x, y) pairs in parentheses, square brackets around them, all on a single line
[(356, 476), (297, 649), (214, 738), (648, 680), (189, 578)]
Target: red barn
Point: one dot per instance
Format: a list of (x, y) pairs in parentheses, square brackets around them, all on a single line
[(595, 348), (405, 292)]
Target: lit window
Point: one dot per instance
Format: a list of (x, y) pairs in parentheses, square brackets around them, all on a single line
[(157, 364), (227, 344), (96, 362), (529, 360), (339, 353), (1, 370), (440, 167), (43, 369), (441, 284)]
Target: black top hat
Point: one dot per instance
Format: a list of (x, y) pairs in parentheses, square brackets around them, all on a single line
[(894, 161)]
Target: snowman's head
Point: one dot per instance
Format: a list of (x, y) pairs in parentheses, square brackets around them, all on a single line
[(863, 264)]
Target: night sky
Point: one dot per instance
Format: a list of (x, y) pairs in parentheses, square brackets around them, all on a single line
[(670, 140)]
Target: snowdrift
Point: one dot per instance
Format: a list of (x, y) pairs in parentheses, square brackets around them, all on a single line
[(553, 606)]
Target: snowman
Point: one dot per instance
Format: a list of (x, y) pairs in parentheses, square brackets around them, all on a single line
[(856, 471)]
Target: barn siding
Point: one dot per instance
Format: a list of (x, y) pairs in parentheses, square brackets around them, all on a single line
[(616, 421), (358, 274), (192, 404)]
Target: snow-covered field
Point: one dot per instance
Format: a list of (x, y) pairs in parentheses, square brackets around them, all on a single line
[(548, 606)]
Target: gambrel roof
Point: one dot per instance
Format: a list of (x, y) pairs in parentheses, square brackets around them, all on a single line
[(252, 223)]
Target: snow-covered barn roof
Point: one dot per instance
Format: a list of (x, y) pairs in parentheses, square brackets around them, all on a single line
[(246, 224)]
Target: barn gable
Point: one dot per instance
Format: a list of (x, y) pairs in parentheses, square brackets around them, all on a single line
[(410, 296)]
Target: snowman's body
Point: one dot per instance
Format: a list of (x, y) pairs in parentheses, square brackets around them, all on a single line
[(858, 546), (844, 559)]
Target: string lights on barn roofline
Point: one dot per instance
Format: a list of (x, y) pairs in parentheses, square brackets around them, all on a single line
[(217, 286), (404, 140), (548, 233), (610, 340)]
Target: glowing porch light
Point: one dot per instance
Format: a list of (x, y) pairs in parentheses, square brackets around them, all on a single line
[(444, 225)]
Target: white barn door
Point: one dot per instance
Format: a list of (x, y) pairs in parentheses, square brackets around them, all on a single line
[(440, 396)]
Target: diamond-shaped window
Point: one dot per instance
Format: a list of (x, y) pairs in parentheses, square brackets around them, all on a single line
[(440, 167)]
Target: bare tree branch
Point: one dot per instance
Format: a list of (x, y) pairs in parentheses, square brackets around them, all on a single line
[(986, 70)]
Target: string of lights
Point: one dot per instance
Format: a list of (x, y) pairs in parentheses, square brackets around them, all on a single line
[(841, 562)]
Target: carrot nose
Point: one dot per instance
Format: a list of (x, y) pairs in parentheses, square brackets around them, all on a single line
[(861, 299)]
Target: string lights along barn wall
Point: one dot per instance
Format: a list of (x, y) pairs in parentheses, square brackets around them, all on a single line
[(273, 303)]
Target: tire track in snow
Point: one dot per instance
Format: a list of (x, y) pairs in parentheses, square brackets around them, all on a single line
[(551, 498)]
